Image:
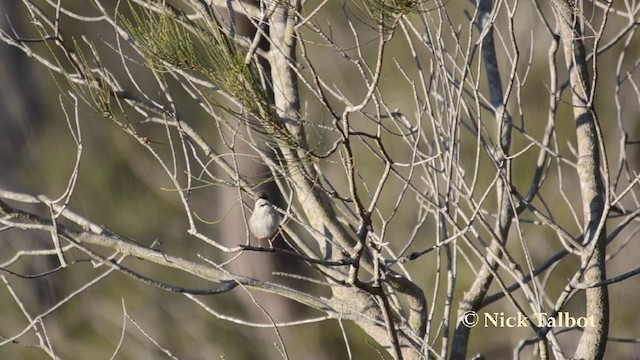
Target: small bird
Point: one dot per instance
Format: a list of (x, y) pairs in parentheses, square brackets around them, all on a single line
[(264, 220)]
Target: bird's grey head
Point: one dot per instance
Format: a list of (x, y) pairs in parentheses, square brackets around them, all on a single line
[(262, 195)]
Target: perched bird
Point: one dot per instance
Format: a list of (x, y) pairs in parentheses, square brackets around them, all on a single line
[(264, 220)]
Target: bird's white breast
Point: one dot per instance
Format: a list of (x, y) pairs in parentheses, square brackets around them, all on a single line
[(264, 220)]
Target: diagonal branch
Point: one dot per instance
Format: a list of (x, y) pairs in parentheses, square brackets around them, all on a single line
[(594, 193), (473, 298)]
